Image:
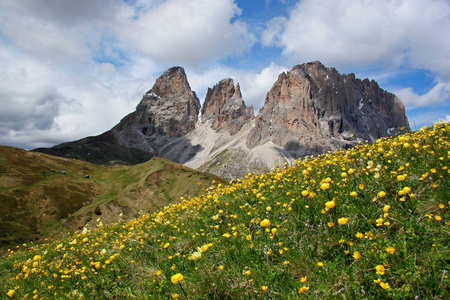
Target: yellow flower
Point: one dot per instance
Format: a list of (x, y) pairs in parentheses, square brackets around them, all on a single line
[(354, 194), (386, 208), (438, 218), (195, 256), (268, 208), (384, 285), (304, 279), (320, 264), (380, 269), (166, 245), (361, 186), (325, 186), (356, 255), (359, 235), (265, 223), (390, 250), (10, 293), (330, 224), (175, 296), (342, 221), (264, 288), (381, 194), (303, 289), (330, 204), (227, 235), (441, 206), (220, 267), (176, 278), (248, 272)]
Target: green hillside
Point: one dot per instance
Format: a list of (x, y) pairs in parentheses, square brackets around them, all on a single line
[(42, 194), (372, 222)]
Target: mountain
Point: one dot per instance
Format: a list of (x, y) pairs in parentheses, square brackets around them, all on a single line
[(308, 111), (42, 194), (313, 109)]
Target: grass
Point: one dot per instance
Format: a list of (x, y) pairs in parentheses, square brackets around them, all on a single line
[(368, 223), (37, 200)]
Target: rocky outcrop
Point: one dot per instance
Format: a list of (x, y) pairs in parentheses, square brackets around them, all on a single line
[(168, 111), (308, 111), (312, 109), (225, 108)]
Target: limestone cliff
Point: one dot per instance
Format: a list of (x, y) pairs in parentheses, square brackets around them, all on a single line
[(313, 109), (225, 107)]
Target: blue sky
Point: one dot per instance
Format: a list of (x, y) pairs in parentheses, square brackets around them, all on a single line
[(70, 69)]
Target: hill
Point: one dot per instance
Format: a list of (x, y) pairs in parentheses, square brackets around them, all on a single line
[(371, 222), (40, 194)]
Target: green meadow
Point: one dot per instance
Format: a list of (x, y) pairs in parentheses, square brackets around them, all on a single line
[(372, 222)]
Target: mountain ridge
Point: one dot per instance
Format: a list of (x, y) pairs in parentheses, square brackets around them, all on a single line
[(308, 111)]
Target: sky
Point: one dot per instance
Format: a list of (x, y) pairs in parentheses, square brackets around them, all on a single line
[(71, 69)]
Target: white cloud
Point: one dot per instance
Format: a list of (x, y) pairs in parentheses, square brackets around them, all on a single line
[(439, 93), (185, 32), (387, 33), (271, 35)]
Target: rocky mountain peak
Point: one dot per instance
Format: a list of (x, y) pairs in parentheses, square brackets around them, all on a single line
[(225, 107), (172, 83), (169, 110), (312, 109)]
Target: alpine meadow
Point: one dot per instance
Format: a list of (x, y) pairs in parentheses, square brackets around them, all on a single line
[(371, 222)]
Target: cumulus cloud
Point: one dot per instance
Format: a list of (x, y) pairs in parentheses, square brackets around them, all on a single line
[(69, 69), (355, 34), (439, 93), (180, 32)]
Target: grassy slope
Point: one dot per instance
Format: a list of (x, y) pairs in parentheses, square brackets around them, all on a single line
[(372, 222), (35, 204)]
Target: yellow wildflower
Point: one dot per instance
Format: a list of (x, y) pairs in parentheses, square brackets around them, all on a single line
[(176, 278), (303, 289), (330, 204), (265, 223), (342, 221), (390, 250), (380, 269), (384, 285), (356, 255)]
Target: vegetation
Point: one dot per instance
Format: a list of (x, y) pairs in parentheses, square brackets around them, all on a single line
[(368, 223), (42, 195)]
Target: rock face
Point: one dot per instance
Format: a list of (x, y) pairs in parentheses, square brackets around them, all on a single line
[(312, 109), (225, 108), (308, 111), (168, 111)]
